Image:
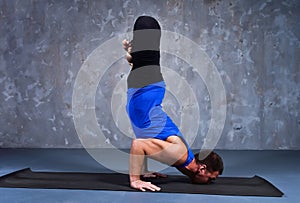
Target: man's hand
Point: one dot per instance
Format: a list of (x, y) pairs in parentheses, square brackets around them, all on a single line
[(154, 175), (143, 186)]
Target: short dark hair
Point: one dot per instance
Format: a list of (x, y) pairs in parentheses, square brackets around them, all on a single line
[(213, 162)]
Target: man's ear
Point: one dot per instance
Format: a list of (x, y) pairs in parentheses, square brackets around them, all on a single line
[(202, 169)]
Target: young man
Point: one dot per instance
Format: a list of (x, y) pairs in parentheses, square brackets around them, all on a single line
[(157, 135)]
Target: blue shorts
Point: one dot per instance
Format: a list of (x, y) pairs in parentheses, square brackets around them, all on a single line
[(147, 117)]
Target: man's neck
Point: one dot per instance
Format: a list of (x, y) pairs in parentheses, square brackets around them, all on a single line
[(190, 170)]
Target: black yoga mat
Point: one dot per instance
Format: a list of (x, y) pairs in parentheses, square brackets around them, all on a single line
[(255, 186)]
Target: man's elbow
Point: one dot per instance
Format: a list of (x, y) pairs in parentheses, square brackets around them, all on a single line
[(134, 143), (136, 146)]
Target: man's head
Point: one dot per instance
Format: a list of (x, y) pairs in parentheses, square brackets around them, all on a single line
[(208, 169)]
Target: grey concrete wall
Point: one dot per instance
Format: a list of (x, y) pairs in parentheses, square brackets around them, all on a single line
[(255, 46)]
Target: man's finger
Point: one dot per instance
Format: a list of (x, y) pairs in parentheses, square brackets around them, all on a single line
[(154, 175), (149, 175), (153, 187), (149, 186), (160, 175)]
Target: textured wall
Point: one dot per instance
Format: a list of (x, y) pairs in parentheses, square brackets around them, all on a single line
[(255, 46)]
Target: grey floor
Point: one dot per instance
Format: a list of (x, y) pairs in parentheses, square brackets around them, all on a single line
[(282, 168)]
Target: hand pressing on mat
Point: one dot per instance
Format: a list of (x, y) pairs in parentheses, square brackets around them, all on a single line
[(143, 186), (154, 175)]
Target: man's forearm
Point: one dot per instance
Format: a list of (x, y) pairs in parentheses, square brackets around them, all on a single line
[(136, 162)]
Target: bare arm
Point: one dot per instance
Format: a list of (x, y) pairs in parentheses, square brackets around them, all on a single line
[(137, 161), (172, 151)]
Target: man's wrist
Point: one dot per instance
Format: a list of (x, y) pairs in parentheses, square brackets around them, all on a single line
[(134, 178)]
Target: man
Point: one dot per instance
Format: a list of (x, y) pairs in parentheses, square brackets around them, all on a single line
[(157, 135)]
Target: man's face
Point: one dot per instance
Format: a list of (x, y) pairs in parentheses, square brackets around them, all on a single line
[(205, 177)]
